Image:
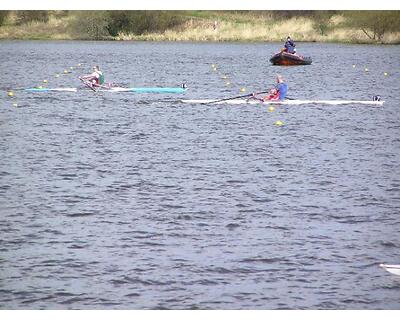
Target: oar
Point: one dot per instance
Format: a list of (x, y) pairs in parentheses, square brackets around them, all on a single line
[(103, 86), (87, 84), (237, 97)]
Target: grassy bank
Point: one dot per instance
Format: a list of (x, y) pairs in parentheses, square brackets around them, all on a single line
[(199, 26)]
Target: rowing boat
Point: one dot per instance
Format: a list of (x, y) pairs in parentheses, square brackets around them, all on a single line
[(392, 268), (114, 89), (285, 102)]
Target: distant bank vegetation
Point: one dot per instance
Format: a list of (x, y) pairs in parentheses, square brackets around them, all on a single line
[(327, 26)]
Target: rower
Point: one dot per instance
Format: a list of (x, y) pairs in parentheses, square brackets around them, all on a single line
[(290, 46), (282, 87), (277, 93), (96, 78)]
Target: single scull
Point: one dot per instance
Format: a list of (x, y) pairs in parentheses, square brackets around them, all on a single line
[(284, 102), (113, 89)]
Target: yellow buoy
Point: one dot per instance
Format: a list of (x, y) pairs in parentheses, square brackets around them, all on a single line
[(57, 75), (213, 66), (228, 83), (79, 64), (271, 108), (71, 68), (214, 69), (366, 69), (44, 81), (65, 71), (385, 74), (15, 105), (40, 87), (242, 89), (224, 77), (354, 65), (10, 94), (279, 123)]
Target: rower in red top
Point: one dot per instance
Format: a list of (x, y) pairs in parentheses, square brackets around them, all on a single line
[(273, 95), (95, 79), (277, 93)]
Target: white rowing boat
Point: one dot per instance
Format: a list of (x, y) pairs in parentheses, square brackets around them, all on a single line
[(392, 268), (284, 102)]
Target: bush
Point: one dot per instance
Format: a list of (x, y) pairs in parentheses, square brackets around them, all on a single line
[(374, 23), (288, 14), (140, 22), (26, 16), (91, 25), (321, 21), (3, 17)]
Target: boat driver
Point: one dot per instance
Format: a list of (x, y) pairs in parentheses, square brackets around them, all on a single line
[(290, 46)]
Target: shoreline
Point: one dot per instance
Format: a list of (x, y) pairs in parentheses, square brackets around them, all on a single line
[(203, 27), (199, 41)]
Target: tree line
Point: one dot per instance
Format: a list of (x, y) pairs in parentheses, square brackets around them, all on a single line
[(108, 24)]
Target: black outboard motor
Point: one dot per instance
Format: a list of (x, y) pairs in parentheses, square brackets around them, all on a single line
[(376, 98)]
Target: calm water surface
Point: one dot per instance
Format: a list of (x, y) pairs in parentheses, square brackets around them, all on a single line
[(126, 201)]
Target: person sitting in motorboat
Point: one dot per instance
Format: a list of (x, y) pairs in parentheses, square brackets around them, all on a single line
[(277, 93), (96, 78), (290, 46)]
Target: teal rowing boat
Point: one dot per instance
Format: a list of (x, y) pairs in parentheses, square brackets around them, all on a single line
[(114, 89)]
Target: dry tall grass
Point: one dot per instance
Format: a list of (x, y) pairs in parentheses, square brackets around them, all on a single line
[(54, 29), (229, 27), (300, 29)]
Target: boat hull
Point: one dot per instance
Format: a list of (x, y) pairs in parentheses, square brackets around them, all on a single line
[(289, 59), (392, 268), (115, 89), (285, 102)]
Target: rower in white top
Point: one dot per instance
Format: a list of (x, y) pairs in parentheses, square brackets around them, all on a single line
[(95, 79)]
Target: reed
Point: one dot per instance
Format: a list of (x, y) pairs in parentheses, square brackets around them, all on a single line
[(53, 29)]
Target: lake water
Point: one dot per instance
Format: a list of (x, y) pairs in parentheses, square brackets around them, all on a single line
[(128, 201)]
